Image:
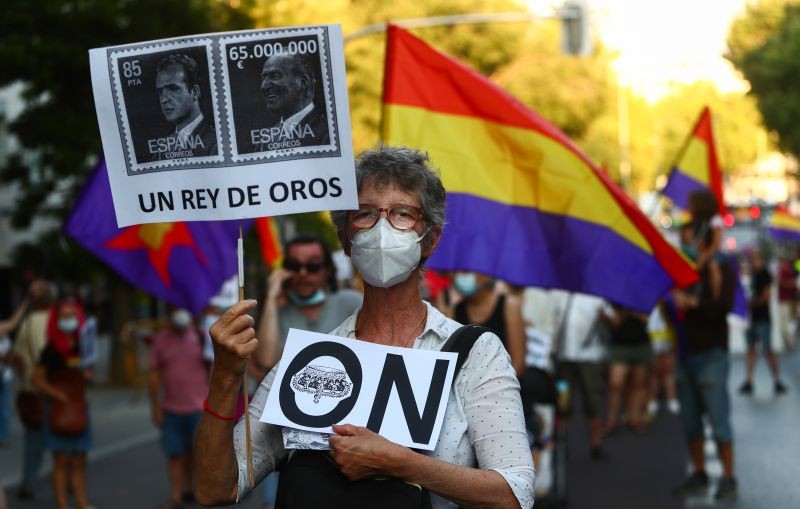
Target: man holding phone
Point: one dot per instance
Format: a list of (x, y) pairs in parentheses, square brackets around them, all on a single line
[(304, 294)]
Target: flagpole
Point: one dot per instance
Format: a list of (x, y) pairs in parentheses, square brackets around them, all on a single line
[(245, 389)]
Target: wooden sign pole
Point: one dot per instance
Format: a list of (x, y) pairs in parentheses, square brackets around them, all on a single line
[(245, 388)]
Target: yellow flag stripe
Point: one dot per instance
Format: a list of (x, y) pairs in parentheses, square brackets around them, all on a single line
[(694, 161), (509, 165)]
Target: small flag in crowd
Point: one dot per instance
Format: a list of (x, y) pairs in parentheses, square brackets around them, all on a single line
[(524, 204), (740, 307), (270, 241), (183, 263), (784, 226), (697, 167)]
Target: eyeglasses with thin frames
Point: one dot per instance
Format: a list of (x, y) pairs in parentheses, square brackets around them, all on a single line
[(399, 215)]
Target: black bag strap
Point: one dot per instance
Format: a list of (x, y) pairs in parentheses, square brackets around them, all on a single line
[(462, 341)]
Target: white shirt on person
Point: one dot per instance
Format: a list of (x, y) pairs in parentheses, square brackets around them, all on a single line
[(483, 424), (578, 329), (29, 343)]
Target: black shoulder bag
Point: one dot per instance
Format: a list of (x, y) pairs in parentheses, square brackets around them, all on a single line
[(310, 479)]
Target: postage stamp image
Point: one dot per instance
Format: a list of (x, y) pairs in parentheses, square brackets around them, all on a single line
[(279, 96), (166, 105)]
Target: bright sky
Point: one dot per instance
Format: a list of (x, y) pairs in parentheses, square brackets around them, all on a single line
[(667, 42)]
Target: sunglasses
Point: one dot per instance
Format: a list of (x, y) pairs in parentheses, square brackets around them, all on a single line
[(295, 266)]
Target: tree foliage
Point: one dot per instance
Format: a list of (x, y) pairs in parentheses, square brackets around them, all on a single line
[(770, 61), (751, 30), (44, 46)]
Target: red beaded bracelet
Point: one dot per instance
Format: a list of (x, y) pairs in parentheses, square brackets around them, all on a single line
[(210, 410)]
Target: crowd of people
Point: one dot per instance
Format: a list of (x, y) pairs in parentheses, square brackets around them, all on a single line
[(618, 363)]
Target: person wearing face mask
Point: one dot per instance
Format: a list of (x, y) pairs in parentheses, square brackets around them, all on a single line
[(303, 294), (30, 341), (483, 304), (61, 375), (177, 381), (482, 457)]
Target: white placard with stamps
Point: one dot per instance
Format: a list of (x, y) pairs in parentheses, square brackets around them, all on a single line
[(226, 126)]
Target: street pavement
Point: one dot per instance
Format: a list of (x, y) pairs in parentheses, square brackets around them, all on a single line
[(643, 469), (128, 471)]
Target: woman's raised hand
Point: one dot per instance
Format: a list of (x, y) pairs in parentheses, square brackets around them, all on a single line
[(234, 338)]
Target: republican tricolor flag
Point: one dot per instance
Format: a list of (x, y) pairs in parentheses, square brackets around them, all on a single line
[(184, 263), (523, 203), (784, 226), (270, 242), (697, 167)]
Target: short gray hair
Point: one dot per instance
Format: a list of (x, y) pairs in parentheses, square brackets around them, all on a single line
[(405, 168)]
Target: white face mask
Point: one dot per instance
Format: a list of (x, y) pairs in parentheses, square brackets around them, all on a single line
[(181, 319), (68, 325), (385, 256)]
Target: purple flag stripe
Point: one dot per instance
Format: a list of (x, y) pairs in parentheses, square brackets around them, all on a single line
[(528, 247), (193, 280), (680, 186)]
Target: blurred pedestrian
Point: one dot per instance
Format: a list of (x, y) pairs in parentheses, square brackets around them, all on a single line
[(662, 376), (6, 368), (28, 345), (706, 223), (787, 299), (630, 355), (61, 376), (304, 294), (177, 380), (581, 349), (482, 303), (759, 333), (702, 374)]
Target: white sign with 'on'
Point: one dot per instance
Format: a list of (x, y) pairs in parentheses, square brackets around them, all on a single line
[(400, 393)]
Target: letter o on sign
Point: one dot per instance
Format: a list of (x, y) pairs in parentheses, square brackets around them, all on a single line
[(286, 396)]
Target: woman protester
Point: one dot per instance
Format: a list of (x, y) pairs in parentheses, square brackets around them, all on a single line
[(61, 375), (481, 458), (484, 304), (629, 352)]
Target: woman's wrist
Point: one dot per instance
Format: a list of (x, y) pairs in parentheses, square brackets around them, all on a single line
[(398, 462), (225, 380)]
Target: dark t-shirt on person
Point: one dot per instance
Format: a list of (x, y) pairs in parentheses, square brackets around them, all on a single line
[(52, 360), (761, 280), (631, 332), (706, 326), (496, 320)]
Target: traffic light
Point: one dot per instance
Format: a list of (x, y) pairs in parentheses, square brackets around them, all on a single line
[(575, 36)]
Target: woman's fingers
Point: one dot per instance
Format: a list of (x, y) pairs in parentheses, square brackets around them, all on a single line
[(234, 330), (231, 319), (241, 323), (348, 430)]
